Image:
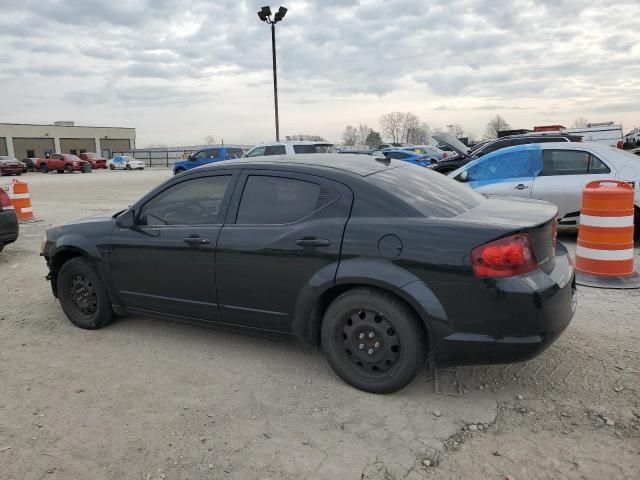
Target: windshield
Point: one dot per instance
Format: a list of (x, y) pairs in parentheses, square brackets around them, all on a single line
[(431, 193), (315, 148)]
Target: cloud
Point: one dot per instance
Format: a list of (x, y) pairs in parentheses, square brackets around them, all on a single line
[(443, 57)]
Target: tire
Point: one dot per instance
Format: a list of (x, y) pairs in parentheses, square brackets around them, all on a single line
[(43, 168), (112, 167), (179, 171), (82, 294), (384, 344), (68, 169), (128, 167)]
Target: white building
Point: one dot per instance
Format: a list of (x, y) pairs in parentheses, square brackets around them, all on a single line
[(27, 140)]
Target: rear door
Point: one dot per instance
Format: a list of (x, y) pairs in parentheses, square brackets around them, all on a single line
[(509, 173), (283, 233), (563, 177)]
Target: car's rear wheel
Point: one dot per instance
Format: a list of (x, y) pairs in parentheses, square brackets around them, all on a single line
[(43, 168), (128, 167), (372, 340), (82, 295)]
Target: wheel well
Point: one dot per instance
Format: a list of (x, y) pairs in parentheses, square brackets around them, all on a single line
[(330, 295), (58, 260)]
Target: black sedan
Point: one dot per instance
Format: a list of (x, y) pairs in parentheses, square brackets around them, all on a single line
[(381, 263), (9, 227)]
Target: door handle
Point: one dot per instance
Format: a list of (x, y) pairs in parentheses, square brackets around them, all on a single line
[(197, 240), (313, 242), (521, 186)]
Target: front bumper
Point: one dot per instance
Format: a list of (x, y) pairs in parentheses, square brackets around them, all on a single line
[(510, 319)]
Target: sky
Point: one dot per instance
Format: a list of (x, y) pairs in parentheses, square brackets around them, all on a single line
[(179, 71)]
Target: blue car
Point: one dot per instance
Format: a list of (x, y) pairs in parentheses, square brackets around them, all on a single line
[(206, 156), (419, 159)]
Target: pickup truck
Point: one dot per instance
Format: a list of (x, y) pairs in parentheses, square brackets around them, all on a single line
[(94, 159), (63, 163)]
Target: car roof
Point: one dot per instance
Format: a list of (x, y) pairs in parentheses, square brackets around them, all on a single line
[(361, 165), (294, 142)]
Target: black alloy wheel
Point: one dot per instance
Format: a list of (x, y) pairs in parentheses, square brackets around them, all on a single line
[(373, 340)]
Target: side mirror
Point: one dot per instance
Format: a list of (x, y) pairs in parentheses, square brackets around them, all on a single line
[(126, 219), (464, 176)]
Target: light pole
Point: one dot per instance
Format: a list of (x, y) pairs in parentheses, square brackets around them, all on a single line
[(265, 16)]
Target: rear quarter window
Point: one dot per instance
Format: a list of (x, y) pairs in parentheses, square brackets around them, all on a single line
[(432, 194)]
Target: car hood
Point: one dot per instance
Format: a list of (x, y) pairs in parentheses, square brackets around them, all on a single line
[(460, 148)]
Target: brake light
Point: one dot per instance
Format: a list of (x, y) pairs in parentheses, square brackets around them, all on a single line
[(5, 201), (444, 155), (504, 258), (620, 144)]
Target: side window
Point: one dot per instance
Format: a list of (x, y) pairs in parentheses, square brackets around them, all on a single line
[(551, 139), (278, 200), (397, 155), (256, 152), (234, 153), (200, 155), (193, 202), (213, 153), (597, 166), (493, 147), (501, 166), (275, 150), (565, 162)]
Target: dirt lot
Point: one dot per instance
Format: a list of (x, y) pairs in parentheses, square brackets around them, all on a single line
[(145, 399)]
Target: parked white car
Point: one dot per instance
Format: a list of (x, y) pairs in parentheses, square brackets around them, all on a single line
[(555, 172), (125, 162), (608, 133), (633, 137), (290, 148)]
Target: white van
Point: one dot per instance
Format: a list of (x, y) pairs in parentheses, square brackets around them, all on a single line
[(290, 148), (606, 132)]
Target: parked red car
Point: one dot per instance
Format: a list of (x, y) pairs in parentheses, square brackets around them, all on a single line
[(62, 163), (94, 159), (10, 166)]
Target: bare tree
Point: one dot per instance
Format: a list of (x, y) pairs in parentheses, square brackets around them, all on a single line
[(363, 132), (419, 134), (456, 130), (391, 125), (209, 140), (350, 136), (580, 122), (495, 126), (411, 123)]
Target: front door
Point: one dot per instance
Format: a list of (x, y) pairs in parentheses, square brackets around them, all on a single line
[(166, 262), (506, 172), (285, 234)]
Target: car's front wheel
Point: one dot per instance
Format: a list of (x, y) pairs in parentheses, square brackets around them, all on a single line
[(372, 340), (128, 167), (43, 168), (178, 171), (82, 295), (112, 167), (68, 169)]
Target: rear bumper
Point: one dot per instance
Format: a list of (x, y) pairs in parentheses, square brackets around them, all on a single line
[(9, 227), (521, 318), (11, 170)]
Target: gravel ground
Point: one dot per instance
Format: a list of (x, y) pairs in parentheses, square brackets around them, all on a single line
[(146, 399)]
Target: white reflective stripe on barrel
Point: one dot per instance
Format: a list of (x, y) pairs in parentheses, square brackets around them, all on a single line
[(590, 220), (594, 254), (18, 196), (26, 210)]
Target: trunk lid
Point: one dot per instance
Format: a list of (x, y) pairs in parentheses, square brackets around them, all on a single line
[(513, 215)]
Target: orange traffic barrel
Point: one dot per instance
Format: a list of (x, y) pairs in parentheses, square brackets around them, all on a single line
[(20, 199), (604, 254)]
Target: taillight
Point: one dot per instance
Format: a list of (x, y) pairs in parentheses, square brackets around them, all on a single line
[(444, 155), (620, 144), (5, 201), (504, 258)]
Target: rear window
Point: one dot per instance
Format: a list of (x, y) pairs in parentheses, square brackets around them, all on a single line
[(235, 153), (432, 194)]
